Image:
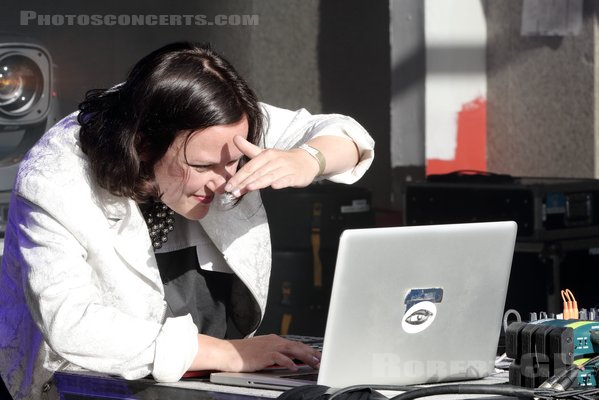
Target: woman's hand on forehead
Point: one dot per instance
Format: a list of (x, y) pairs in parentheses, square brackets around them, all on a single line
[(271, 167)]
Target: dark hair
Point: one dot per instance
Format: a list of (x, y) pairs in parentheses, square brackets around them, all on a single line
[(177, 89)]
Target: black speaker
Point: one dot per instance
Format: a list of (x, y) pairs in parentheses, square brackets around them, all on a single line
[(546, 209), (305, 226), (556, 217)]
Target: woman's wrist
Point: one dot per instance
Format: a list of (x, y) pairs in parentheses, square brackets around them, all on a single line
[(213, 354), (316, 155), (340, 154)]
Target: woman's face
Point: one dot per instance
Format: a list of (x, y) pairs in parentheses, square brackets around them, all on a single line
[(189, 175)]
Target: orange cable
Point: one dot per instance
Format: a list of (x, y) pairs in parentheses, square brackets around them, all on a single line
[(566, 302), (574, 305)]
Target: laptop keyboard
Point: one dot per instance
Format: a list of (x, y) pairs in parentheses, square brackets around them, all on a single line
[(313, 341)]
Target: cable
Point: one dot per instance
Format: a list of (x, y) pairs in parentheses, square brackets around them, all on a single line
[(574, 311), (570, 304), (566, 306), (566, 378), (341, 392), (502, 390), (507, 314), (582, 394), (558, 389), (560, 378)]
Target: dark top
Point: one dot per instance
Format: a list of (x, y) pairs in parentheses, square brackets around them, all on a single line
[(191, 290)]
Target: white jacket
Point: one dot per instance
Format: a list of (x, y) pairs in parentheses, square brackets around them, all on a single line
[(79, 285)]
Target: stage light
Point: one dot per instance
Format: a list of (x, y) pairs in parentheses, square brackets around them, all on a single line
[(27, 107)]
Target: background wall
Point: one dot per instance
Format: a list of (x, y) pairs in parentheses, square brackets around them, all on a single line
[(536, 67), (371, 60), (326, 56), (542, 118), (456, 86), (368, 60), (408, 72)]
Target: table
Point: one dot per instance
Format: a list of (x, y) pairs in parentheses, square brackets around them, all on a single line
[(72, 385), (75, 385)]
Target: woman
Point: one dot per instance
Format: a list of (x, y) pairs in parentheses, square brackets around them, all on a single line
[(106, 267)]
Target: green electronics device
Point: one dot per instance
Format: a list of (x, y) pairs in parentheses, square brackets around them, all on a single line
[(545, 348)]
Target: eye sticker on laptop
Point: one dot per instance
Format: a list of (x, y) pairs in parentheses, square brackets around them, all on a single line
[(420, 309)]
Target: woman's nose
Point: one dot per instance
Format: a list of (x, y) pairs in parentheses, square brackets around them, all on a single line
[(219, 179)]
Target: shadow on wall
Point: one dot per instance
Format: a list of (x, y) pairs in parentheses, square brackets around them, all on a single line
[(354, 65)]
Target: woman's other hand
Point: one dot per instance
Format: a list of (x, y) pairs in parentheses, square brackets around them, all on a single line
[(252, 354)]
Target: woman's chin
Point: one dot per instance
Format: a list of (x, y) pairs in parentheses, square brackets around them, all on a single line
[(198, 212)]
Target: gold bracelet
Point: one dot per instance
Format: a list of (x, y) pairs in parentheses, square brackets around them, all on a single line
[(314, 152)]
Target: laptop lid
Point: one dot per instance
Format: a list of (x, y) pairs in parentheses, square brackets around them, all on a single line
[(411, 305)]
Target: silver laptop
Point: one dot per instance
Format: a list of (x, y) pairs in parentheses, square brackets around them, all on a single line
[(409, 305)]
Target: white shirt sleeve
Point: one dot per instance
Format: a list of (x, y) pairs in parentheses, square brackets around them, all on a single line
[(80, 322), (286, 129)]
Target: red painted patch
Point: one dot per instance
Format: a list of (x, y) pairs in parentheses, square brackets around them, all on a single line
[(471, 149)]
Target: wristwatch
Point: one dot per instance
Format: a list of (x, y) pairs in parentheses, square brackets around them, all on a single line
[(314, 152)]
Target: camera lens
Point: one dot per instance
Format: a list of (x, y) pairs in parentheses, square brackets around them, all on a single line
[(21, 84)]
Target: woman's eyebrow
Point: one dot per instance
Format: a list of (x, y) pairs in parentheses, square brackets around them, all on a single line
[(209, 163)]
